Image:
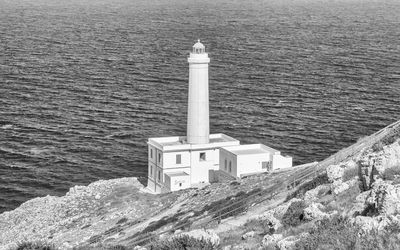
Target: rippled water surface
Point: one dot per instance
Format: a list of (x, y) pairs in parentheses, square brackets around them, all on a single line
[(83, 84)]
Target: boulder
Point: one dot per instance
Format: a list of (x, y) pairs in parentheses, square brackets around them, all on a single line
[(314, 194), (248, 235), (287, 243), (202, 234), (334, 172), (271, 239), (313, 212)]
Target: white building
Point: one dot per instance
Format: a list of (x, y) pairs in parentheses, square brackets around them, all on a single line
[(179, 162), (242, 160)]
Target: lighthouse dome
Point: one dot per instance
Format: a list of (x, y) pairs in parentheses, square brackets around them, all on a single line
[(199, 48)]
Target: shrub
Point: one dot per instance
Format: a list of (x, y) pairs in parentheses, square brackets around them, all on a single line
[(35, 246), (261, 227), (294, 214), (377, 146), (122, 220), (182, 242)]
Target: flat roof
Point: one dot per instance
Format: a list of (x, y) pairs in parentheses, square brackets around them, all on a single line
[(174, 174), (251, 149), (180, 142)]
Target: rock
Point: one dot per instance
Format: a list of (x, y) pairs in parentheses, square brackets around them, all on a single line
[(280, 210), (334, 172), (288, 243), (338, 187), (271, 240), (379, 223), (97, 197), (139, 248), (248, 235), (313, 194), (203, 234), (385, 197), (313, 212)]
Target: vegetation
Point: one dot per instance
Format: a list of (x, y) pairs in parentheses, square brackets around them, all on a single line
[(182, 242), (350, 173), (339, 233), (294, 215), (302, 189), (392, 174), (39, 245)]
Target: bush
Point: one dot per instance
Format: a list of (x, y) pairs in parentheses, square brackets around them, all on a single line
[(294, 215), (377, 146), (35, 246), (182, 242)]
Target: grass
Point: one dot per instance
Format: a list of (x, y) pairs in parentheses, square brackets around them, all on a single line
[(182, 242), (338, 233), (294, 215)]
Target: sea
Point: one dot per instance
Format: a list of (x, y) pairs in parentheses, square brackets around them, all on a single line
[(83, 84)]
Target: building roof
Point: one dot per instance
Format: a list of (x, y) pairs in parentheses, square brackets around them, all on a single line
[(251, 149), (180, 143)]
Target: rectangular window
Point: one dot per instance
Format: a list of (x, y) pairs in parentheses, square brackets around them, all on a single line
[(151, 170), (226, 165), (159, 175), (230, 166), (202, 156), (178, 159), (159, 158), (151, 153)]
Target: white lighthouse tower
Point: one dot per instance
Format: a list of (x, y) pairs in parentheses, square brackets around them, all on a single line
[(198, 125)]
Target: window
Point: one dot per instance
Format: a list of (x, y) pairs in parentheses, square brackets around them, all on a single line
[(159, 158), (202, 156), (151, 153), (151, 170), (178, 159), (226, 165), (266, 165), (230, 166), (180, 184), (159, 175)]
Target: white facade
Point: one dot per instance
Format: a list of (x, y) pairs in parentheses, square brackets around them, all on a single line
[(171, 155), (242, 160)]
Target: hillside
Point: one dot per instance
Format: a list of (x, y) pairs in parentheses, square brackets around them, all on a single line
[(355, 190)]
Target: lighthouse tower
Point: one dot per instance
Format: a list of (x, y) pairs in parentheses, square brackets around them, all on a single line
[(198, 124)]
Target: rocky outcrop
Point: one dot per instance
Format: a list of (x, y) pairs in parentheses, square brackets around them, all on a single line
[(335, 172), (53, 217), (273, 223), (374, 164), (248, 235), (385, 197)]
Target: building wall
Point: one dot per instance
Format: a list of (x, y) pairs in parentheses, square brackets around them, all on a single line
[(174, 183), (251, 163), (230, 159), (200, 169), (280, 162)]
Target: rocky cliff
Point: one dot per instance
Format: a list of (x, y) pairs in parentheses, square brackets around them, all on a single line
[(357, 192)]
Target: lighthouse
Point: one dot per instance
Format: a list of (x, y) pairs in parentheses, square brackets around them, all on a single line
[(198, 124), (199, 158)]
